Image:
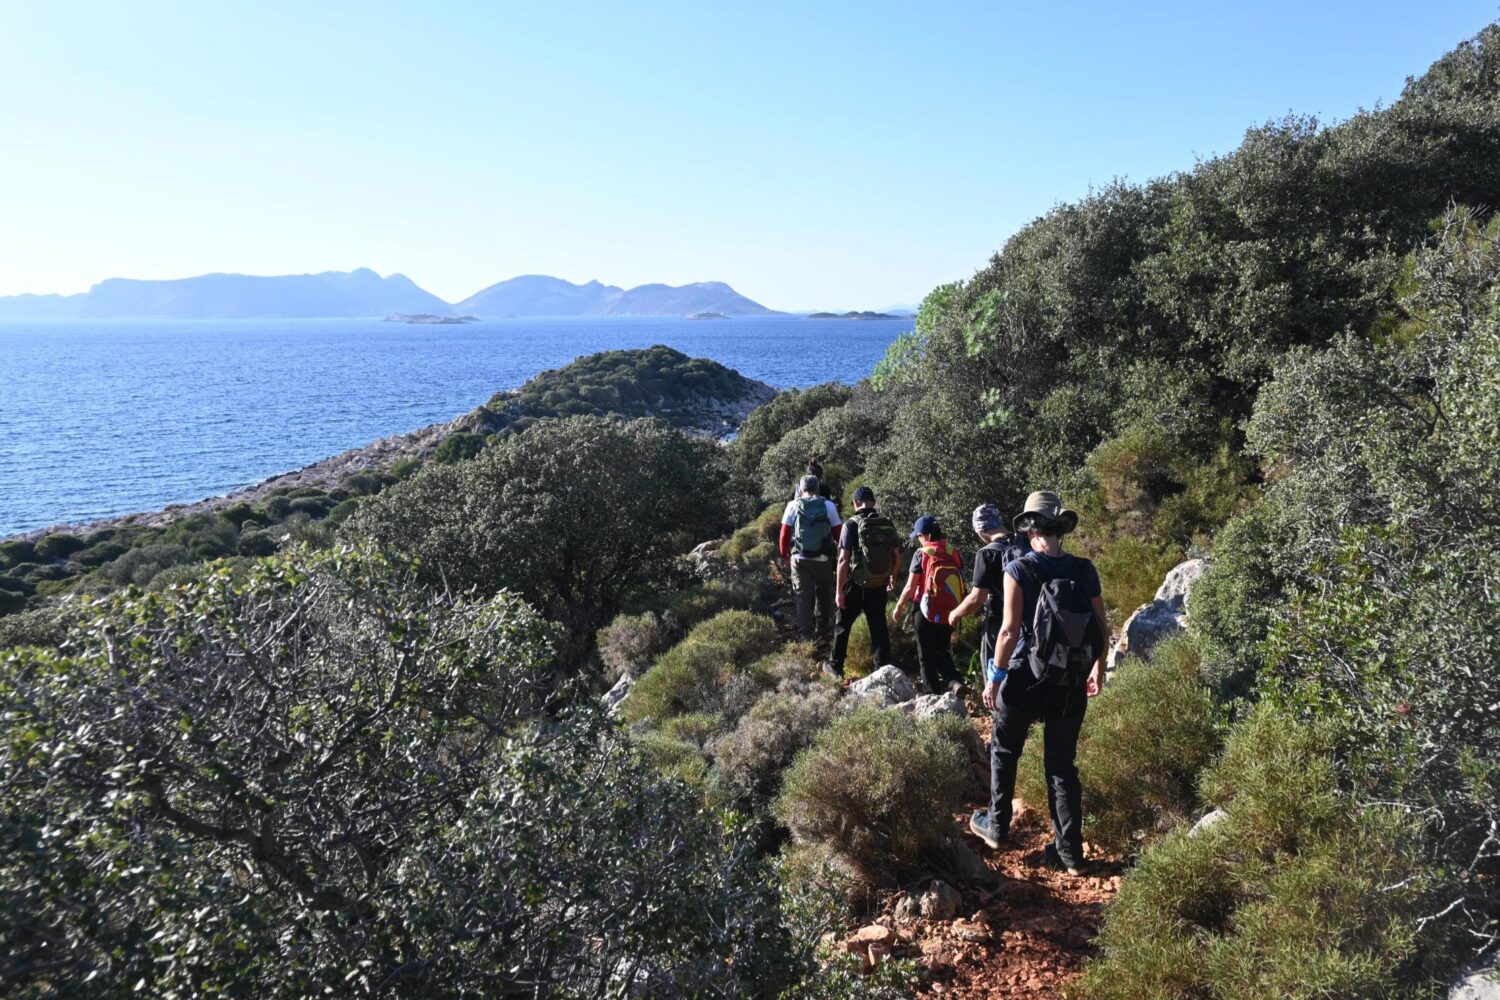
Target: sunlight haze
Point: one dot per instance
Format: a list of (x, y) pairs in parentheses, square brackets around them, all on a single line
[(812, 156)]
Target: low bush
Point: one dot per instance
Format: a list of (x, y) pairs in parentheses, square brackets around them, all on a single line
[(458, 447), (11, 601), (46, 625), (631, 643), (756, 540), (140, 565), (693, 675), (1130, 571), (1299, 892), (877, 790), (17, 551), (859, 658), (675, 758), (58, 546), (1145, 739), (749, 760), (101, 553)]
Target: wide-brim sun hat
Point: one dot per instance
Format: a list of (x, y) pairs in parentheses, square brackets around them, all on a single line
[(1044, 510)]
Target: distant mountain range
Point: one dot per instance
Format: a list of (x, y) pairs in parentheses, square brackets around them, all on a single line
[(363, 293), (541, 295)]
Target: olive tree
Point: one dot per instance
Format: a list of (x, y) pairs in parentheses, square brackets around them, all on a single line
[(577, 514), (320, 779)]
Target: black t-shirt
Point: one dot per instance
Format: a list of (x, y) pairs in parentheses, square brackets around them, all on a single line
[(989, 573), (1025, 571)]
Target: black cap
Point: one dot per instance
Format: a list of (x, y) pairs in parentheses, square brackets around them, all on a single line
[(863, 494)]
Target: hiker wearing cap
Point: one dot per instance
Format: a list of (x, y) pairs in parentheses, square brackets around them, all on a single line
[(807, 550), (936, 585), (999, 547), (1049, 660), (869, 552)]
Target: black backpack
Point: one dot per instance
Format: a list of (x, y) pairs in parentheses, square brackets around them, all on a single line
[(1066, 636)]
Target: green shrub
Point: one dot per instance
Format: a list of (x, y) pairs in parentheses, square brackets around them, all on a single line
[(314, 507), (260, 542), (1145, 739), (140, 565), (768, 424), (675, 758), (100, 553), (46, 625), (1130, 571), (693, 675), (458, 447), (17, 551), (343, 510), (877, 790), (748, 760), (1300, 892), (755, 537), (631, 643), (16, 584), (579, 515), (58, 546), (11, 601), (859, 658)]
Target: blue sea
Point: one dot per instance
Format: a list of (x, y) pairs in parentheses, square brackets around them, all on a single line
[(105, 418)]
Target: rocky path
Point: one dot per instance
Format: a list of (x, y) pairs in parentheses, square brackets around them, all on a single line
[(1024, 939)]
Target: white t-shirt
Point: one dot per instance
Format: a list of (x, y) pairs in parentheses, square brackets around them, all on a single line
[(789, 518)]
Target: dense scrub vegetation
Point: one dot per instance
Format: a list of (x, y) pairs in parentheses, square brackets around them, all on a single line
[(1287, 359), (655, 382)]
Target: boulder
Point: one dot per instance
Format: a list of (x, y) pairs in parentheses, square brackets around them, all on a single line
[(1164, 617), (885, 688), (1211, 819), (939, 902), (616, 695), (1480, 984), (930, 706)]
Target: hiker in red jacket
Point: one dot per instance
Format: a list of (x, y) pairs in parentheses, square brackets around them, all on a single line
[(936, 585)]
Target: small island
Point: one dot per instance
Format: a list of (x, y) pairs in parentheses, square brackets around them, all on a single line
[(708, 315), (853, 315), (430, 319)]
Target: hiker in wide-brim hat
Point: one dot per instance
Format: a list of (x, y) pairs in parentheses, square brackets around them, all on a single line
[(1044, 509), (1049, 660)]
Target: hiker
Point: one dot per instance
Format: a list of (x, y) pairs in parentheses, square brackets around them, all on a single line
[(869, 552), (815, 468), (1049, 660), (999, 546), (936, 586), (807, 550)]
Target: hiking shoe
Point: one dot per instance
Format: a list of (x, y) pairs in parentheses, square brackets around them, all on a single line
[(979, 826), (832, 672), (1055, 860), (960, 689)]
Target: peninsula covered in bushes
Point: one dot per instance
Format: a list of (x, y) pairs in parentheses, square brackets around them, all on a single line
[(394, 756)]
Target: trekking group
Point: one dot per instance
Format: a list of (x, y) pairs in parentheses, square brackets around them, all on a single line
[(1042, 636)]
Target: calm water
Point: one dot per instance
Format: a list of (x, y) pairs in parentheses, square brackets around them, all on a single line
[(99, 419)]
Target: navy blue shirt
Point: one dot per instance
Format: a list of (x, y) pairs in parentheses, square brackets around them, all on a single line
[(1035, 568)]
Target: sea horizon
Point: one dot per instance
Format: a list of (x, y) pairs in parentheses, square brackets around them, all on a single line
[(104, 418)]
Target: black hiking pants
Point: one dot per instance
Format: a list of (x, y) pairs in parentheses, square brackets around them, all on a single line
[(935, 655), (870, 602), (1060, 710)]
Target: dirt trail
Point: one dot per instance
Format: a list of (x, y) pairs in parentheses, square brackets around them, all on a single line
[(1027, 938)]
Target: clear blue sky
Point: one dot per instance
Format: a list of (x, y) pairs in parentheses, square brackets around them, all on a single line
[(812, 154)]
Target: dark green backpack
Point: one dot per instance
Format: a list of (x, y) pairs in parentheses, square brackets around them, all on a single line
[(812, 532), (870, 561)]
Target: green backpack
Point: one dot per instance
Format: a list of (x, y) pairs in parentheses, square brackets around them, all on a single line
[(870, 561), (812, 532)]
